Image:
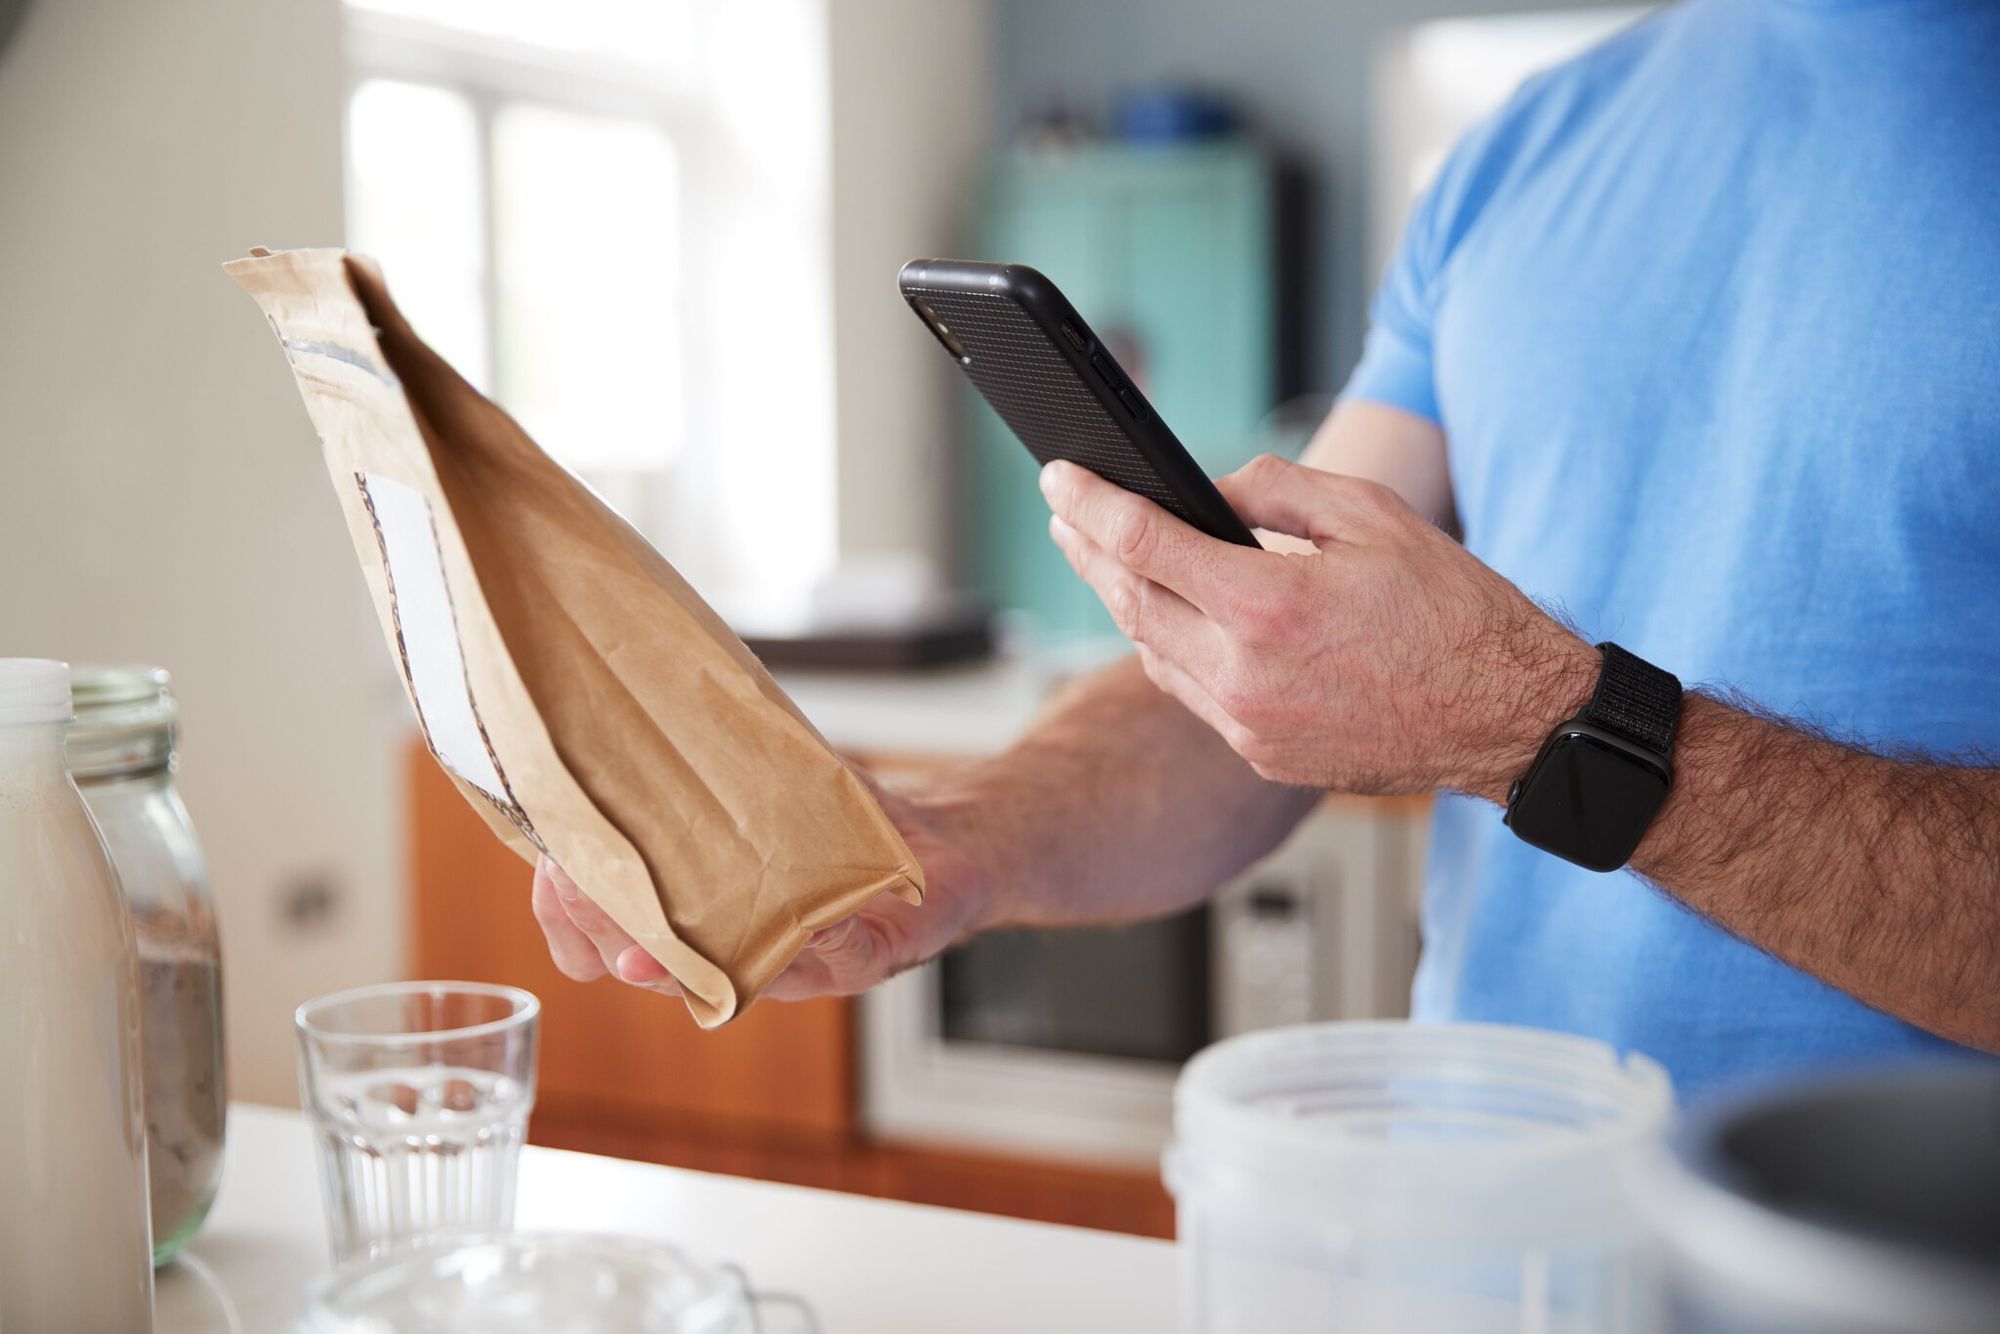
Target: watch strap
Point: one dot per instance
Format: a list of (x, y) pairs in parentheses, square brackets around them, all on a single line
[(1635, 699)]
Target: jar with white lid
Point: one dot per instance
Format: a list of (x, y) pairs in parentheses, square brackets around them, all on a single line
[(75, 1247), (122, 754)]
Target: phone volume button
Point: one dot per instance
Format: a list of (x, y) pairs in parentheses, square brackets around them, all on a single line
[(1130, 402)]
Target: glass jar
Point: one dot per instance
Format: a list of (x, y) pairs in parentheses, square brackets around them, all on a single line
[(121, 753)]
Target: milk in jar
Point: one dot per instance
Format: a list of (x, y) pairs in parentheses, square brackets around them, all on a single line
[(75, 1236)]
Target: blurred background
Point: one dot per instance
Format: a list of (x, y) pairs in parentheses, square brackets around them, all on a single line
[(664, 233)]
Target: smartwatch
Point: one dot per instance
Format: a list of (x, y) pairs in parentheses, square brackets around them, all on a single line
[(1601, 777)]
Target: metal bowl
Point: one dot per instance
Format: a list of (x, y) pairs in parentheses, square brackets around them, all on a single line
[(1865, 1204)]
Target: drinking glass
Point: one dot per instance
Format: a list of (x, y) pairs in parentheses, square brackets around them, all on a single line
[(419, 1094)]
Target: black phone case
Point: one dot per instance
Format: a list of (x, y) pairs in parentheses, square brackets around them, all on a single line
[(1033, 358)]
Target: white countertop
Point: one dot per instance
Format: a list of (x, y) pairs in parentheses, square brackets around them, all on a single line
[(867, 1266)]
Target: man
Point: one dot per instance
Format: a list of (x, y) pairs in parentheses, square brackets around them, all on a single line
[(1698, 340)]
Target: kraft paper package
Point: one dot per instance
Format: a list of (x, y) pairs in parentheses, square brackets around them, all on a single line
[(580, 694)]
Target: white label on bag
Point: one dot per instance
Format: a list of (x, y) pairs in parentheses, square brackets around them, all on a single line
[(427, 633)]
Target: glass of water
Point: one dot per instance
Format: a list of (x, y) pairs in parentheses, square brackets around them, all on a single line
[(419, 1094)]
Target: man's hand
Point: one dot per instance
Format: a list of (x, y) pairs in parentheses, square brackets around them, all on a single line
[(1388, 659), (881, 940)]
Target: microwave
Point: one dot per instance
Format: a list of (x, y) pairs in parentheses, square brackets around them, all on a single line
[(1065, 1043)]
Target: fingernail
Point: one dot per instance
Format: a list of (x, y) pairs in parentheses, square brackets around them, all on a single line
[(1052, 478), (565, 888)]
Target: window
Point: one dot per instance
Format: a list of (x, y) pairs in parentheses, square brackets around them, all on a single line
[(611, 215)]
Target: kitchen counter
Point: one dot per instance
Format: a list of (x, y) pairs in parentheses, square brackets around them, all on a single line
[(867, 1266)]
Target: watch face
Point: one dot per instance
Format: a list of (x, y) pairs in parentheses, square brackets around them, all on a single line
[(1589, 798)]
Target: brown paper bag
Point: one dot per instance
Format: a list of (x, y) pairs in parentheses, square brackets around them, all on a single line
[(584, 699)]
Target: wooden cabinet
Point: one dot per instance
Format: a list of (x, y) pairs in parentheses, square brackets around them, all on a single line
[(627, 1072), (611, 1053)]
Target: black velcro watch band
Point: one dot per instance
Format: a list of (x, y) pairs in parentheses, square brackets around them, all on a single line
[(1636, 700)]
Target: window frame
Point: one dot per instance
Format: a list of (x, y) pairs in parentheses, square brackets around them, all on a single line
[(490, 72)]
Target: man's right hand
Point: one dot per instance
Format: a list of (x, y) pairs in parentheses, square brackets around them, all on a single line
[(885, 937)]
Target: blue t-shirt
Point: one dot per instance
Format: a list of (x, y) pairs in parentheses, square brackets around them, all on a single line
[(1711, 320)]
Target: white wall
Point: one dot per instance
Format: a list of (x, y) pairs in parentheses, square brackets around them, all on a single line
[(161, 494), (163, 498), (911, 96)]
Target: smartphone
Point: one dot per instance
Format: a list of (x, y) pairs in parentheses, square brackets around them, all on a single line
[(1057, 387)]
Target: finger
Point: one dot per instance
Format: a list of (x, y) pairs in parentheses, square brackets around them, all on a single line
[(635, 966), (614, 950), (838, 960), (1145, 612), (575, 957), (1190, 693), (862, 951), (608, 938), (1301, 501), (1195, 697), (1146, 539)]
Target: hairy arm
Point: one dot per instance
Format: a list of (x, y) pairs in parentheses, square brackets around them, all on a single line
[(1878, 875), (1387, 657), (1116, 805)]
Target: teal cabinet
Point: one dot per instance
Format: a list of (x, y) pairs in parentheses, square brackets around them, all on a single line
[(1167, 252)]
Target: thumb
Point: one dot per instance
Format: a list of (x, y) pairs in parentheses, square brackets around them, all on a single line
[(1280, 496)]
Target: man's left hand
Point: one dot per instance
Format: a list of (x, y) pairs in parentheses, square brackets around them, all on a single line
[(1387, 659)]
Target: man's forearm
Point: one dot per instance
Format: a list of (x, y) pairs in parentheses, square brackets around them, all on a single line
[(1378, 655), (1118, 804), (1879, 876)]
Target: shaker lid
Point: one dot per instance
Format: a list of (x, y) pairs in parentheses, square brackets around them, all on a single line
[(33, 690)]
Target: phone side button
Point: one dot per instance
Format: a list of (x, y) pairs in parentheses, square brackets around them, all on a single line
[(1076, 340), (1130, 402)]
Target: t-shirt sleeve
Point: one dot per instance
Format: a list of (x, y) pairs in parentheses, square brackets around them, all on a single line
[(1397, 365)]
